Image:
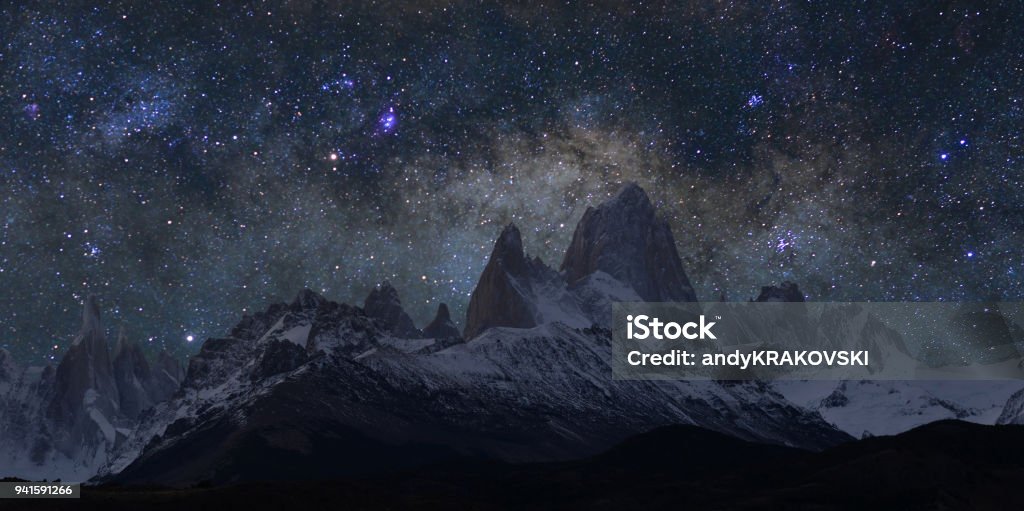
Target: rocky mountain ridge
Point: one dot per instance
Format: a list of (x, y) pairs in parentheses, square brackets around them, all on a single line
[(63, 420), (314, 388), (320, 386)]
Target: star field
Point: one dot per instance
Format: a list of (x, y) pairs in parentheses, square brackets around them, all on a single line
[(192, 161)]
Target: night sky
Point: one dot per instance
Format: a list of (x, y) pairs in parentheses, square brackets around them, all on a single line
[(191, 161)]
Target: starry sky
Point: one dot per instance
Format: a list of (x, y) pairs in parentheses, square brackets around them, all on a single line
[(190, 161)]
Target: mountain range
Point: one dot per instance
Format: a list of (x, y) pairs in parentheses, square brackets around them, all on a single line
[(313, 388)]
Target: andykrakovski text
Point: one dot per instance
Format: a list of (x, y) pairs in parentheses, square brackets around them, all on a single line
[(642, 327), (763, 358), (820, 341)]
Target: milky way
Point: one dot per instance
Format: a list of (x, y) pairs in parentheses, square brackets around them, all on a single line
[(188, 161)]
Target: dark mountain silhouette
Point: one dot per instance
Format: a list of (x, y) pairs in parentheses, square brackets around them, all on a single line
[(384, 305), (441, 326), (944, 465)]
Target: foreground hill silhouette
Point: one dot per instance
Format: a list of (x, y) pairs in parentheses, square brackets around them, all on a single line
[(944, 465)]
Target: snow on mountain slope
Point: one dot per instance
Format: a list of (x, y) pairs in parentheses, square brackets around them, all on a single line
[(889, 407), (513, 394), (303, 380), (61, 422), (1013, 410)]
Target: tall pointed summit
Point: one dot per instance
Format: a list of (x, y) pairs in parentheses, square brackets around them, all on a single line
[(384, 305), (624, 238), (501, 296), (85, 395), (442, 325)]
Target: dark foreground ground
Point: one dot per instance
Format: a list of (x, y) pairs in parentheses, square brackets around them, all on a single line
[(945, 465)]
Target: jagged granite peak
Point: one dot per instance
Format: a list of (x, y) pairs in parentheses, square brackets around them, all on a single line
[(442, 326), (508, 251), (133, 376), (253, 326), (513, 395), (625, 238), (1013, 410), (308, 299), (384, 305), (62, 421), (91, 324), (85, 395), (165, 362), (500, 296), (785, 292), (121, 344)]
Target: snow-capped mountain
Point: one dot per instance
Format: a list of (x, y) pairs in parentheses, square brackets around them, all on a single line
[(625, 238), (61, 422), (383, 304), (871, 408), (878, 407), (620, 251), (315, 388), (1013, 409), (352, 398)]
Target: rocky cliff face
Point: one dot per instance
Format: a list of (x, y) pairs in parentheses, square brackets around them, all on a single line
[(624, 238), (502, 296), (384, 305), (442, 325), (347, 393), (364, 401), (620, 251), (132, 376), (86, 397), (168, 373), (63, 421), (140, 385), (1013, 410)]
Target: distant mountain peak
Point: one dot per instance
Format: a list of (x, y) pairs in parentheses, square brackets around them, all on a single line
[(85, 388), (624, 238), (91, 323), (442, 313), (631, 194), (308, 299), (122, 342), (500, 296), (442, 325), (384, 305), (508, 250), (620, 251)]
